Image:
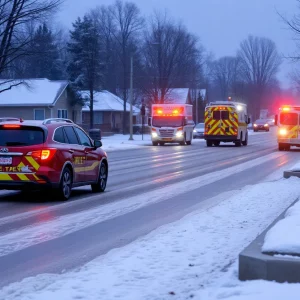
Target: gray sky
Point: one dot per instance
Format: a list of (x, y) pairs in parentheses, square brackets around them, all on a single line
[(220, 24)]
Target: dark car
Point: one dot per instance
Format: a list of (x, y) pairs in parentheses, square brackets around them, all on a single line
[(199, 131), (261, 125), (52, 154)]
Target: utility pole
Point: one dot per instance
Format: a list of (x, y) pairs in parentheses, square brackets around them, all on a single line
[(131, 98), (197, 99)]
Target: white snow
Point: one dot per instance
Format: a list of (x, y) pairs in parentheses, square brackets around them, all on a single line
[(230, 288), (185, 258), (283, 237), (57, 227), (40, 92), (106, 101), (122, 142)]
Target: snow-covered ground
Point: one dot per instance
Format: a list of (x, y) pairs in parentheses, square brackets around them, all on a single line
[(191, 258), (283, 237), (122, 142)]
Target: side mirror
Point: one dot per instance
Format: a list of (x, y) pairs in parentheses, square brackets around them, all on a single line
[(97, 144), (150, 121), (249, 121), (276, 120)]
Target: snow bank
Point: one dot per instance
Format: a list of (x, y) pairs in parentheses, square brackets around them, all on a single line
[(283, 237), (176, 260)]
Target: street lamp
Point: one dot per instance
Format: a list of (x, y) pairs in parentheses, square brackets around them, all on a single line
[(131, 99), (157, 44)]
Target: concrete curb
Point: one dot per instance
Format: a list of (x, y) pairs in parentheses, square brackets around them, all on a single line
[(253, 264), (288, 174)]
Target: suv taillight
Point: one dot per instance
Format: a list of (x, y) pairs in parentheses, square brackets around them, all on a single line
[(45, 154)]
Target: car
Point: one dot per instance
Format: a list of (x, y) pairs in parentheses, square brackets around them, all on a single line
[(198, 131), (54, 154), (261, 125), (3, 119)]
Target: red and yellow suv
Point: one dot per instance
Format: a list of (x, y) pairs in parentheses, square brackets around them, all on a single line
[(51, 154)]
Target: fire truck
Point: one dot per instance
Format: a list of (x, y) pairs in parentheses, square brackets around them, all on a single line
[(226, 121), (171, 123), (288, 133)]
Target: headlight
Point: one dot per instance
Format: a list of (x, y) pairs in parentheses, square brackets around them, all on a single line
[(255, 125), (154, 134), (282, 131), (266, 125), (179, 133), (194, 130)]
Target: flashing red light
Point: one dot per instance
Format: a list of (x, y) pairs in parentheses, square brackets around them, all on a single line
[(11, 126)]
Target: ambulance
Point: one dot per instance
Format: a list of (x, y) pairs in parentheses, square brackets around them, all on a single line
[(226, 121), (171, 123), (288, 133)]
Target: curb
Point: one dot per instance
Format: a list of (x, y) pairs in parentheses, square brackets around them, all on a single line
[(254, 265), (288, 174)]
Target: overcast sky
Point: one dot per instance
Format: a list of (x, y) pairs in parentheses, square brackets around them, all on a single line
[(220, 24)]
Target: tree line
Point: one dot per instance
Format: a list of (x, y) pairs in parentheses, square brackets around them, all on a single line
[(95, 55)]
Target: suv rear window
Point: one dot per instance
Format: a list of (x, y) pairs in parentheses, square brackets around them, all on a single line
[(21, 136)]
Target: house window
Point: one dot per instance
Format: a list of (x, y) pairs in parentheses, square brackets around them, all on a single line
[(39, 114), (98, 117), (62, 113)]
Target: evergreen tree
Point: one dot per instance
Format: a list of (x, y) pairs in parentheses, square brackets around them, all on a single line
[(45, 61), (85, 68)]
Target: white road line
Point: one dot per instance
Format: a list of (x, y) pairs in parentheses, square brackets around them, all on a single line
[(67, 224)]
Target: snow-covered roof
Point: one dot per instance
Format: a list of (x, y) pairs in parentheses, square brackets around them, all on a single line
[(177, 96), (35, 92), (107, 101)]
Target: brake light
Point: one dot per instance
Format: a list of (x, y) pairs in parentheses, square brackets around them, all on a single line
[(11, 126), (286, 108), (45, 154)]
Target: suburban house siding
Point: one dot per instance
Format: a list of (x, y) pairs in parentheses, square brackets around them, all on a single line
[(51, 96), (26, 113)]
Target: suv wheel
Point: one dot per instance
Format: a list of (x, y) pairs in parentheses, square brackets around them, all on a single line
[(65, 186), (100, 186)]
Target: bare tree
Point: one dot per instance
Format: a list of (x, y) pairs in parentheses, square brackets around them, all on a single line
[(260, 62), (14, 14), (128, 23), (226, 75), (171, 55)]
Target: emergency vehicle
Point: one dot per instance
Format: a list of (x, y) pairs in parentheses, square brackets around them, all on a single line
[(226, 121), (288, 127), (54, 154), (171, 123)]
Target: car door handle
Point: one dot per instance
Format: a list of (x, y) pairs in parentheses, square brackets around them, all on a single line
[(71, 151)]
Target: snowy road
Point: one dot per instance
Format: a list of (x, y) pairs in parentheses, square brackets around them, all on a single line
[(148, 187)]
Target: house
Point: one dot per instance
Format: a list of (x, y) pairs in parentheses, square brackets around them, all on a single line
[(38, 99), (108, 111)]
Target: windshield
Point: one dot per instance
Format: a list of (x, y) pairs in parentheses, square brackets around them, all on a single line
[(167, 121), (261, 121), (23, 136), (289, 119), (200, 125)]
